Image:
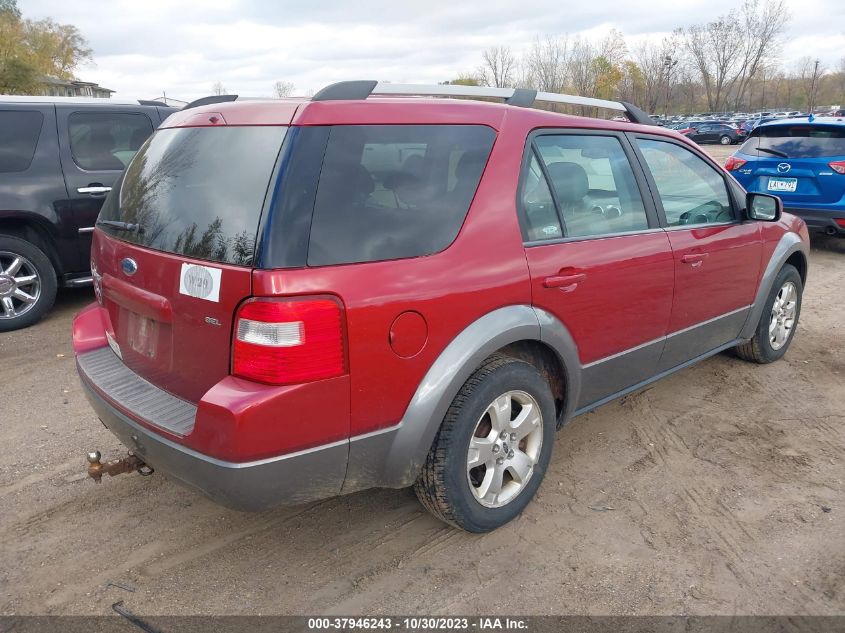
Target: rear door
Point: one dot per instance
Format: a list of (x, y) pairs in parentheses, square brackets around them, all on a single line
[(95, 145), (717, 254), (174, 250), (794, 162), (597, 258)]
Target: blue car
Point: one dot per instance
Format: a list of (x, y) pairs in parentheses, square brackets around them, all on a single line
[(801, 160)]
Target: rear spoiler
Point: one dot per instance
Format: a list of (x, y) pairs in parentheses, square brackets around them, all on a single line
[(209, 100)]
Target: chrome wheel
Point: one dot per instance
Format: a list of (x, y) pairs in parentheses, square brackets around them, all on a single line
[(783, 315), (20, 285), (504, 448), (725, 140)]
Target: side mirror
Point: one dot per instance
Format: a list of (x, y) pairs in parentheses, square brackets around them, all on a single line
[(764, 207)]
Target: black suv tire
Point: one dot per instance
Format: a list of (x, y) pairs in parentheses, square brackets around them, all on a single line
[(760, 349), (33, 261), (445, 486)]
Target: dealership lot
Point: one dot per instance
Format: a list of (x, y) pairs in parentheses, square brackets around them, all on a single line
[(717, 490)]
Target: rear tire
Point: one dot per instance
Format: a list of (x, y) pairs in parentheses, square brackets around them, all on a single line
[(779, 320), (493, 448), (27, 283), (726, 140)]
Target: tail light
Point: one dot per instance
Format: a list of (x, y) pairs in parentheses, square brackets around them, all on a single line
[(733, 163), (838, 166), (840, 222), (290, 341)]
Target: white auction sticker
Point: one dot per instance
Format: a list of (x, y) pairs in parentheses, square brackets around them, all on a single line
[(202, 282)]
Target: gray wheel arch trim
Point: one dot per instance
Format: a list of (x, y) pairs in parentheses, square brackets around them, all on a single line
[(393, 457), (789, 244)]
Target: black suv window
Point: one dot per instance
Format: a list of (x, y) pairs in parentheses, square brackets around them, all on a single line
[(101, 141), (19, 133), (797, 141), (691, 191), (395, 191)]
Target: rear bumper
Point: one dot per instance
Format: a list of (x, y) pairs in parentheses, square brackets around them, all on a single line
[(820, 221), (293, 478)]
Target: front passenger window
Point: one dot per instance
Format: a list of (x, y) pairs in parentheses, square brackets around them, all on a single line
[(692, 192)]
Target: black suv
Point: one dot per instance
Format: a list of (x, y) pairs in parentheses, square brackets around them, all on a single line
[(58, 160), (715, 132)]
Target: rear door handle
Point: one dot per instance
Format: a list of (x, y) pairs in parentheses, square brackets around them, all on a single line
[(94, 189), (693, 258), (566, 281)]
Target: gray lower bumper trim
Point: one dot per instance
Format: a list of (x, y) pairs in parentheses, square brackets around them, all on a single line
[(295, 478), (107, 372)]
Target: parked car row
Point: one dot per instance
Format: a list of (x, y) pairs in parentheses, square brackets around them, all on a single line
[(303, 298), (58, 160)]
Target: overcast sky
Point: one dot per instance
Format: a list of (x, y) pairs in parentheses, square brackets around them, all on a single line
[(182, 47)]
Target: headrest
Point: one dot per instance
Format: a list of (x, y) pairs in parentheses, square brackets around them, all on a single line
[(569, 181)]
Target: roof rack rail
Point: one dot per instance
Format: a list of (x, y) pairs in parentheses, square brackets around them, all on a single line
[(209, 100), (523, 97), (151, 102)]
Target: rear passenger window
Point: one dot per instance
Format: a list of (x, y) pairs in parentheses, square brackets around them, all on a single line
[(691, 191), (593, 185), (538, 207), (19, 133), (102, 141), (395, 191)]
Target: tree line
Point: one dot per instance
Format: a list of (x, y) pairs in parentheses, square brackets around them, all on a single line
[(32, 49), (726, 64)]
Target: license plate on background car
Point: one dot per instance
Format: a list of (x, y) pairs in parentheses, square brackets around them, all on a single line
[(788, 185)]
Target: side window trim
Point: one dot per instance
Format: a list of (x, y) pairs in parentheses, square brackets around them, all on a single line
[(653, 217), (655, 194)]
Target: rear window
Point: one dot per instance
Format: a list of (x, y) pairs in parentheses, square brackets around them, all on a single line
[(394, 191), (19, 133), (196, 192), (797, 141)]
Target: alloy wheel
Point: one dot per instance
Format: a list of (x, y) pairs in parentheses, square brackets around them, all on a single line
[(504, 448), (783, 315), (20, 285)]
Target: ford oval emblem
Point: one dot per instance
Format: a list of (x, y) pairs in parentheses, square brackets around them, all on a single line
[(784, 167), (129, 266)]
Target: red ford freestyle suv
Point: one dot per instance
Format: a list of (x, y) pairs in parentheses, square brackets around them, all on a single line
[(304, 298)]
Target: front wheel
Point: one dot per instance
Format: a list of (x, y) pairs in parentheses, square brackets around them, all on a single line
[(27, 283), (779, 319), (726, 140), (493, 448)]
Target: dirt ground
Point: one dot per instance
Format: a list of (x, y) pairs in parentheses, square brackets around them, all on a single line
[(724, 487)]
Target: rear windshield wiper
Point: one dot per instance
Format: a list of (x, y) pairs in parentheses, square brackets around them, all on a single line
[(776, 152), (121, 226)]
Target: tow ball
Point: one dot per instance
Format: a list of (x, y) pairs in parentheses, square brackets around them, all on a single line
[(128, 464)]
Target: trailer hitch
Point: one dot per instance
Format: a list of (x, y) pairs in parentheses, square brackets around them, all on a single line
[(128, 464)]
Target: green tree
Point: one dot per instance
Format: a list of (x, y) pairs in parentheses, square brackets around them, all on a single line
[(32, 48)]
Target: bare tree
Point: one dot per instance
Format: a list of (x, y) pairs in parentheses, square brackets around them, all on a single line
[(651, 59), (810, 72), (218, 88), (580, 68), (760, 33), (283, 89), (546, 63), (499, 67), (728, 52)]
